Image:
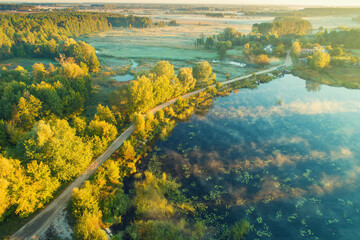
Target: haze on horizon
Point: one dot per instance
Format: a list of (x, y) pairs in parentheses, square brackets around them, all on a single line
[(235, 2)]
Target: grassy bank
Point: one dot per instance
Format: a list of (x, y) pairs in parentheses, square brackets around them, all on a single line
[(347, 76)]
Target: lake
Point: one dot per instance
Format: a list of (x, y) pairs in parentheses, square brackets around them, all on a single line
[(285, 156)]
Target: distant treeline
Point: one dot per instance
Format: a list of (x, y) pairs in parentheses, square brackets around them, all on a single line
[(41, 34), (45, 34), (12, 7), (284, 26), (329, 11), (220, 15), (348, 38), (117, 20), (308, 12)]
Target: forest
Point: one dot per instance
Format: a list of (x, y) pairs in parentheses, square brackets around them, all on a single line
[(42, 107), (349, 38), (284, 26), (18, 7), (46, 35)]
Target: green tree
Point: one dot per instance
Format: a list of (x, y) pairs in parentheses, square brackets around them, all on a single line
[(187, 81), (80, 125), (320, 60), (279, 50), (71, 70), (210, 42), (222, 47), (103, 113), (39, 71), (149, 121), (51, 143), (163, 68), (296, 48), (128, 151), (139, 123), (141, 94), (88, 228), (202, 72), (27, 111), (106, 131), (262, 60)]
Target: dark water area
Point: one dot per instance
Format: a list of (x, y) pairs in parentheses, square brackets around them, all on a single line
[(284, 156)]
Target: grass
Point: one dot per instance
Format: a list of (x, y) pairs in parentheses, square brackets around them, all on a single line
[(347, 76), (25, 62)]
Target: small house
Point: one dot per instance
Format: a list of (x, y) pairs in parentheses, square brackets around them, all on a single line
[(308, 51), (269, 48)]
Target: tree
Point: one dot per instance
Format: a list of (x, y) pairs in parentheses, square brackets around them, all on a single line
[(106, 131), (139, 123), (88, 227), (112, 171), (38, 190), (4, 137), (229, 34), (247, 49), (4, 197), (160, 115), (279, 50), (71, 70), (51, 68), (51, 143), (39, 71), (185, 76), (202, 72), (210, 42), (27, 111), (336, 52), (127, 151), (27, 189), (222, 47), (262, 59), (103, 113), (163, 68), (163, 89), (320, 60), (149, 121), (141, 94), (85, 200), (80, 125), (296, 48)]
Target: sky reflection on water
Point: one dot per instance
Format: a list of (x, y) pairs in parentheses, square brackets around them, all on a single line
[(282, 156)]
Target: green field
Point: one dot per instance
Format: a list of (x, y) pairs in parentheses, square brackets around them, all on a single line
[(117, 47)]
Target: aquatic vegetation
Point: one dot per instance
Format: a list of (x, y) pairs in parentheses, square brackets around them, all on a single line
[(264, 232), (247, 166), (239, 229), (292, 217)]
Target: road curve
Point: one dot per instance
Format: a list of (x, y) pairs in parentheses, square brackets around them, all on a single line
[(36, 226)]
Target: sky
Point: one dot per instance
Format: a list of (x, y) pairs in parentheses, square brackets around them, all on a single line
[(247, 2)]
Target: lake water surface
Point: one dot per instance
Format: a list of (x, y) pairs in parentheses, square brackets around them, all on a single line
[(284, 156)]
